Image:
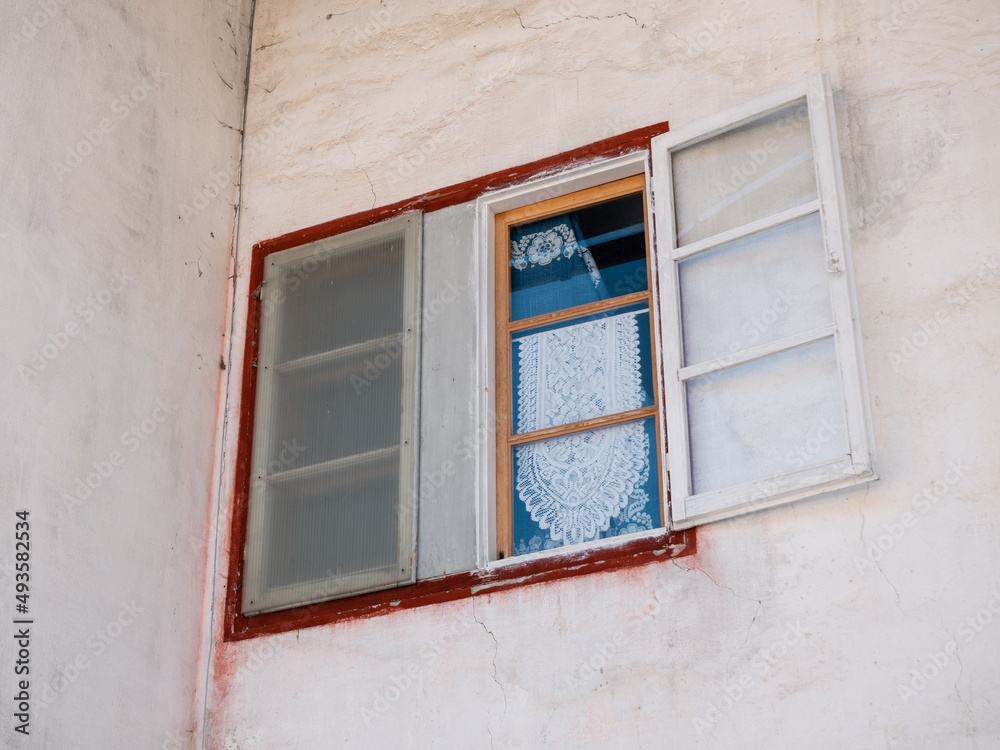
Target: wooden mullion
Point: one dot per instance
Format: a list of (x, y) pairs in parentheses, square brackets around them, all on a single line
[(566, 203), (593, 423), (577, 312)]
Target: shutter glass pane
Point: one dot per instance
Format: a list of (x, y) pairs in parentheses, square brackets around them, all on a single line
[(325, 297), (344, 405), (755, 290), (323, 524), (745, 174), (330, 506), (769, 416), (585, 368), (585, 486), (595, 253)]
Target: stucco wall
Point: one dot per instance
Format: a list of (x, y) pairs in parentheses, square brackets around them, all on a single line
[(796, 627), (115, 118)]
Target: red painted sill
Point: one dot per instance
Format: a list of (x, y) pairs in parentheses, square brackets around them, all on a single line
[(630, 554)]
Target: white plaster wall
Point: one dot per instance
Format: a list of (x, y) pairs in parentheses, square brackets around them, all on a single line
[(367, 103), (141, 103)]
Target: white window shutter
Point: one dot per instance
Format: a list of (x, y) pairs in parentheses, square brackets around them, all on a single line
[(764, 395)]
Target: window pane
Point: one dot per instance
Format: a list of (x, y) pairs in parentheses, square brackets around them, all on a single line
[(755, 290), (337, 298), (595, 253), (585, 486), (323, 524), (773, 415), (336, 408), (744, 174), (588, 367)]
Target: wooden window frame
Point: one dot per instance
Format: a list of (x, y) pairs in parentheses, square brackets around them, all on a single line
[(506, 438)]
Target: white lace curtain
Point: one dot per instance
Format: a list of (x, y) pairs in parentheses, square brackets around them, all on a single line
[(575, 485)]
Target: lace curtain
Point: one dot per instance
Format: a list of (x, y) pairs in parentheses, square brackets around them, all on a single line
[(551, 269), (591, 484)]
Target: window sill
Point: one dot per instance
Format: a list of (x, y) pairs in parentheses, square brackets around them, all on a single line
[(542, 567)]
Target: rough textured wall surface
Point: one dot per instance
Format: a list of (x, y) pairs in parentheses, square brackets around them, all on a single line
[(867, 618), (119, 149)]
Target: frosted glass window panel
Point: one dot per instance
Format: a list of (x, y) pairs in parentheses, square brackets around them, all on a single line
[(764, 386), (347, 406), (324, 525), (589, 367), (744, 174), (337, 296), (770, 416), (332, 491), (754, 290)]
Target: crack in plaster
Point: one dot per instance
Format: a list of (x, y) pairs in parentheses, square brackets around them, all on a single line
[(227, 125), (756, 614), (961, 670), (727, 588), (371, 185), (228, 84), (496, 650), (585, 18), (746, 639), (268, 90), (272, 44), (878, 562)]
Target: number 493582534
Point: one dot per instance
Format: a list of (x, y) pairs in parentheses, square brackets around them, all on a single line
[(22, 536)]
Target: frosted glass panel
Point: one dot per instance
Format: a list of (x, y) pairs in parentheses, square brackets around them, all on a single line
[(334, 299), (332, 481), (585, 368), (338, 408), (755, 290), (766, 417), (325, 525), (744, 174)]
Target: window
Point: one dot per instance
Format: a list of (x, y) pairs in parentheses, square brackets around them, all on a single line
[(333, 471), (577, 435), (763, 391), (689, 289)]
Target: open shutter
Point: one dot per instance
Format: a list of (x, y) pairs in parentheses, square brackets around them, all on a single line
[(333, 487), (764, 387)]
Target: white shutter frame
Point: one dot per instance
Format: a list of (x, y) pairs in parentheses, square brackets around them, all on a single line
[(688, 509)]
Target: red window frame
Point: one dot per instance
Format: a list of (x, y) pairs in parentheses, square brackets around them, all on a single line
[(641, 551)]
